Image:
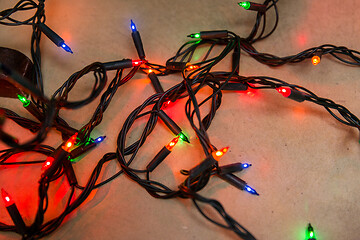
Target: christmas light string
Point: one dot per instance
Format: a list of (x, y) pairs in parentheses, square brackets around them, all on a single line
[(195, 76)]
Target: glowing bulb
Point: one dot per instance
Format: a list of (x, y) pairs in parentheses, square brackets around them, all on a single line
[(6, 198), (24, 101), (250, 190), (66, 48), (218, 154), (99, 139), (70, 143), (136, 63), (310, 234), (246, 165), (47, 164), (245, 5), (192, 67), (284, 91), (315, 60), (172, 144), (165, 105), (133, 26), (183, 137), (195, 35)]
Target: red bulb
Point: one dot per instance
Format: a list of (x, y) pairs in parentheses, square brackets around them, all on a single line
[(284, 91), (166, 104), (8, 201), (48, 162), (172, 144), (136, 63)]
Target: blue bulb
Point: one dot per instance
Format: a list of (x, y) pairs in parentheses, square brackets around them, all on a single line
[(245, 165), (66, 48), (99, 139), (250, 190), (133, 26)]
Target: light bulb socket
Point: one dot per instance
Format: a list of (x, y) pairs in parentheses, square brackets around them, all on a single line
[(233, 180), (160, 156), (82, 149), (176, 66), (205, 165), (138, 44), (231, 168), (17, 219), (155, 82), (121, 64), (69, 172), (53, 36), (255, 7), (234, 86), (169, 122)]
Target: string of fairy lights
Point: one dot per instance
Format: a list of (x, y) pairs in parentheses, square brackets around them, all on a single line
[(195, 76)]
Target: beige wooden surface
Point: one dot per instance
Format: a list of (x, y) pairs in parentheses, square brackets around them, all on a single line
[(305, 164)]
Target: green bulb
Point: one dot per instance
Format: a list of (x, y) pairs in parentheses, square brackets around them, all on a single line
[(310, 235), (183, 137), (24, 101), (245, 5), (197, 35)]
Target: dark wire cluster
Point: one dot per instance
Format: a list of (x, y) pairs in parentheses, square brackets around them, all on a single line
[(195, 76)]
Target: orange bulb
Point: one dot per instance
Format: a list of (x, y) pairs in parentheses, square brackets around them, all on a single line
[(70, 143), (315, 60), (150, 70), (192, 67), (218, 154), (172, 144)]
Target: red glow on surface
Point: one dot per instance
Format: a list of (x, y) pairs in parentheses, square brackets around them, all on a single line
[(136, 63), (284, 91), (8, 201), (172, 144), (250, 93), (315, 60), (66, 36), (301, 39), (47, 163)]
